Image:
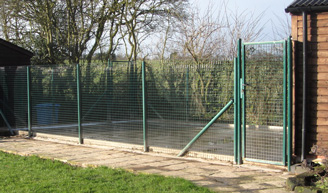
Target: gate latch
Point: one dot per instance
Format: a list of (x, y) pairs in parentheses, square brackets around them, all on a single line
[(245, 84), (243, 89)]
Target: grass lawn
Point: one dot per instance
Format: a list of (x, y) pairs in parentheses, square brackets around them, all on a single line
[(33, 174)]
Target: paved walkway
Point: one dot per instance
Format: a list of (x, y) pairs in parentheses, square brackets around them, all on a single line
[(218, 176)]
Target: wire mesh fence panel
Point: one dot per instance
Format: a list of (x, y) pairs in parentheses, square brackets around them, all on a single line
[(182, 99), (264, 101), (217, 78), (3, 95), (95, 95), (20, 98), (54, 99), (111, 102), (13, 98)]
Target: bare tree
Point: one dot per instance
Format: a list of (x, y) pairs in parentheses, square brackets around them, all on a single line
[(57, 31), (200, 36), (5, 14), (67, 29), (142, 18), (210, 36), (282, 29), (214, 33), (241, 25)]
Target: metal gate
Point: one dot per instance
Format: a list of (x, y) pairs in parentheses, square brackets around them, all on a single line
[(263, 102)]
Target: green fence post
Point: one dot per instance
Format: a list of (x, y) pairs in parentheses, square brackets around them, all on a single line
[(29, 115), (131, 87), (187, 93), (144, 108), (236, 111), (243, 102), (290, 103), (108, 92), (52, 96), (239, 105), (284, 138), (79, 104)]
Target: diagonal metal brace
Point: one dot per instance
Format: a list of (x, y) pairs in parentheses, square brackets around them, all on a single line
[(183, 152)]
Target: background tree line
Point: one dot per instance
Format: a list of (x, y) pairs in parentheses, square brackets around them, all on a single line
[(68, 31), (80, 31)]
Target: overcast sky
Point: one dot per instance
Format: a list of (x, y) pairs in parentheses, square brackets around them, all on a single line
[(270, 8)]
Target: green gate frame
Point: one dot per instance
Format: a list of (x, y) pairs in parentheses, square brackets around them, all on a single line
[(240, 103)]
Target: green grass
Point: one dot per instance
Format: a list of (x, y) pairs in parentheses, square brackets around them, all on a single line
[(33, 174)]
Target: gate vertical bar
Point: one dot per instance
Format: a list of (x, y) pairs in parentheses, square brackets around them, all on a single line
[(284, 102), (144, 108), (237, 157), (243, 105), (239, 101), (79, 103), (290, 103), (235, 110), (29, 115)]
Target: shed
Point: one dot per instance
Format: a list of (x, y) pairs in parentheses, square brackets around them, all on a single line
[(310, 74), (11, 58), (12, 55)]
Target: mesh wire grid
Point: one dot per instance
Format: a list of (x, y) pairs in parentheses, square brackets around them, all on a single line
[(264, 101), (111, 102), (53, 99), (182, 99), (13, 97)]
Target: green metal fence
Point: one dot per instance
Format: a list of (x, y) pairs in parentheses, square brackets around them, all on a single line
[(182, 98), (111, 102), (105, 102), (53, 96), (165, 106)]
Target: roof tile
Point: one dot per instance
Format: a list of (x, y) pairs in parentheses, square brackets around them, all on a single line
[(307, 3)]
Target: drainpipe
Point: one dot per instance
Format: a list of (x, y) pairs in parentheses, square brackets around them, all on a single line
[(304, 113)]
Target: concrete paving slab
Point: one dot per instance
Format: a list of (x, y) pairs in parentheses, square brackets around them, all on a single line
[(176, 167), (218, 176), (192, 177), (151, 171), (196, 171), (163, 163)]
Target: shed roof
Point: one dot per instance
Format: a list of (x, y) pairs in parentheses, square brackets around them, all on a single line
[(307, 5), (12, 55), (15, 48)]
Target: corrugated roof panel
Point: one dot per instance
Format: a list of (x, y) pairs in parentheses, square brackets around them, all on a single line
[(308, 3)]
